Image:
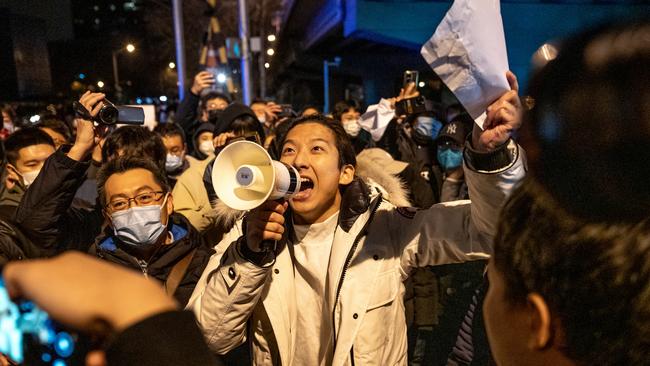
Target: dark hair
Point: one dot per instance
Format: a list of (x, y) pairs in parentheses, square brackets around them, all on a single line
[(578, 231), (123, 164), (22, 138), (589, 130), (343, 143), (343, 107), (57, 126), (169, 130), (212, 95), (594, 276), (245, 124), (134, 141)]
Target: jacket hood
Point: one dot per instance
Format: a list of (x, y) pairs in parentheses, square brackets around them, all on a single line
[(203, 127)]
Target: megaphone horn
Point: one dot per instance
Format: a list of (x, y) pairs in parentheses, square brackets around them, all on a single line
[(244, 176)]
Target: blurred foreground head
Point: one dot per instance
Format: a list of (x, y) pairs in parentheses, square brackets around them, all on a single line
[(570, 277)]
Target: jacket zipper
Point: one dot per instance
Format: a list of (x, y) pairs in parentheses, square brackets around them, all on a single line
[(144, 267), (348, 259)]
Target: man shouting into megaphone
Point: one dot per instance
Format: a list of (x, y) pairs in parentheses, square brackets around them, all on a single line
[(331, 293)]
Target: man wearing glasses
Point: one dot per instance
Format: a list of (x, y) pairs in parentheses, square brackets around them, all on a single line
[(141, 232)]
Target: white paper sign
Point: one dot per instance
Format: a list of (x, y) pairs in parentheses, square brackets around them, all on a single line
[(468, 52)]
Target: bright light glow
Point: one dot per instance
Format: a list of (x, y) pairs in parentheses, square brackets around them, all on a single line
[(270, 52), (100, 84), (163, 98), (130, 48), (138, 100), (221, 78), (421, 84), (271, 38), (35, 118), (267, 65), (172, 65), (82, 76)]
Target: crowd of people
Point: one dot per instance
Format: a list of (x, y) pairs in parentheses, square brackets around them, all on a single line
[(388, 203)]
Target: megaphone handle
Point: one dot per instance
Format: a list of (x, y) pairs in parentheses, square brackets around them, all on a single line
[(268, 245)]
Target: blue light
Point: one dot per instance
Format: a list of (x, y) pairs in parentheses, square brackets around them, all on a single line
[(64, 344), (59, 362), (138, 100), (46, 357), (148, 100), (82, 76)]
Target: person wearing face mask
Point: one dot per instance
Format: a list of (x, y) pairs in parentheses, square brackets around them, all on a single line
[(347, 112), (26, 150), (142, 231), (203, 141), (177, 161), (450, 143)]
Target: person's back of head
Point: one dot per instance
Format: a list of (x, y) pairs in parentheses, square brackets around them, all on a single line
[(57, 129), (134, 141), (572, 250)]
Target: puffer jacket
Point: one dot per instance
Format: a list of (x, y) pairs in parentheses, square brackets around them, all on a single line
[(374, 249)]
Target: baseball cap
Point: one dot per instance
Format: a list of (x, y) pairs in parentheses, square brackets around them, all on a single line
[(382, 158)]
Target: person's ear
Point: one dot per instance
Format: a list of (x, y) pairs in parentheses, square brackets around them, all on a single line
[(347, 174), (170, 204), (539, 321)]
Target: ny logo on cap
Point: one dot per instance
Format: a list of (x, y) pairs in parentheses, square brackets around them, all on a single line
[(451, 129)]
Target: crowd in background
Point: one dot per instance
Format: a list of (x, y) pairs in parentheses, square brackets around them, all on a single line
[(145, 200)]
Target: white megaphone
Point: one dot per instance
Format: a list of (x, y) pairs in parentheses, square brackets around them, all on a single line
[(244, 176)]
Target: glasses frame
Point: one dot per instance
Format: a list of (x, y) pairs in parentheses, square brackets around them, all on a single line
[(135, 200)]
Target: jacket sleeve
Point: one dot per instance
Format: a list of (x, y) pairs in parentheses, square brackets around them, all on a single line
[(227, 294), (456, 231), (186, 113), (44, 213)]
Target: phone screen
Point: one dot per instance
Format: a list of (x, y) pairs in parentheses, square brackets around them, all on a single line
[(28, 335)]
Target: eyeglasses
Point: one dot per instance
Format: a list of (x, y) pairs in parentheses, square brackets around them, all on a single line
[(142, 199)]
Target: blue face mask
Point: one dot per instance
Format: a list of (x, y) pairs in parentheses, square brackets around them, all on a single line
[(428, 126), (140, 225), (449, 158)]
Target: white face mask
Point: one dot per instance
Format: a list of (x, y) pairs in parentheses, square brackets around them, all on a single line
[(173, 162), (30, 177), (140, 225), (352, 128), (206, 147)]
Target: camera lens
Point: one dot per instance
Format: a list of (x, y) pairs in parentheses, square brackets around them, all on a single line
[(108, 115)]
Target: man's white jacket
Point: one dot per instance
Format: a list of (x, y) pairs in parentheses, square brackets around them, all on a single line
[(375, 247)]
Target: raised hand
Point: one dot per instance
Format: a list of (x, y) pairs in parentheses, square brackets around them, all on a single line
[(504, 117)]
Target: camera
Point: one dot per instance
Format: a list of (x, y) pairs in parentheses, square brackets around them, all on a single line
[(415, 105), (110, 114)]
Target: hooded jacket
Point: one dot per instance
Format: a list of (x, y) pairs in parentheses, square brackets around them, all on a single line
[(375, 247)]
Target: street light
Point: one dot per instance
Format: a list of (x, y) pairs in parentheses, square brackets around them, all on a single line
[(129, 48), (172, 65), (271, 38), (270, 52), (100, 84)]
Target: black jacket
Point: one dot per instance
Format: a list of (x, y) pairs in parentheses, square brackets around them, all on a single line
[(159, 266), (46, 217), (170, 338)]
